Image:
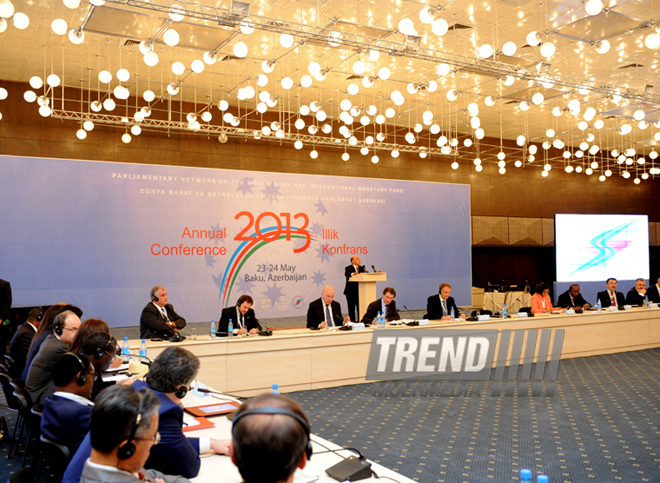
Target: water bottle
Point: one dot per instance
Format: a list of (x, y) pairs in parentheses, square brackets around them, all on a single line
[(143, 350), (276, 388), (452, 314), (378, 320), (525, 475), (230, 329), (646, 302), (504, 311), (213, 329), (598, 306), (542, 479), (125, 353), (383, 322)]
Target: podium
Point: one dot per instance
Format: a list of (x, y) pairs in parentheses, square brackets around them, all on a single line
[(367, 288)]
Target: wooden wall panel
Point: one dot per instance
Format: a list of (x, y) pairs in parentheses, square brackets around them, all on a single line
[(548, 232), (525, 231), (490, 231)]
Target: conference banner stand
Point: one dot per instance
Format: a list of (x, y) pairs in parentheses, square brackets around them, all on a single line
[(367, 288)]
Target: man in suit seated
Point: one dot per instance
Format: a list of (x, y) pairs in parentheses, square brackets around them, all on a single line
[(439, 306), (270, 439), (572, 298), (611, 297), (20, 343), (636, 294), (242, 317), (170, 377), (351, 289), (65, 419), (124, 428), (385, 305), (325, 312), (653, 292), (158, 319)]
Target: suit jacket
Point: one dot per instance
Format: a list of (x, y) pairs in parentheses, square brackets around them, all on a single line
[(5, 299), (65, 421), (153, 324), (434, 307), (376, 306), (316, 313), (605, 301), (39, 383), (231, 313), (352, 288), (19, 347), (93, 474), (653, 293), (175, 454), (564, 300), (34, 350), (634, 298)]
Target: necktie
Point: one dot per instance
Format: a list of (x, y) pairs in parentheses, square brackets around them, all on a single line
[(164, 312), (242, 321), (613, 299), (572, 301), (328, 317)]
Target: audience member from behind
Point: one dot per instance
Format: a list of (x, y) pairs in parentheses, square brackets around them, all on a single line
[(572, 298), (242, 316), (20, 343), (385, 305), (101, 348), (610, 297), (541, 303), (123, 430), (637, 294), (170, 377), (66, 413), (158, 319), (45, 329), (654, 292), (325, 311), (39, 383), (270, 439), (439, 306)]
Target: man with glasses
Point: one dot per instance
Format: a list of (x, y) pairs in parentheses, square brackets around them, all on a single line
[(170, 376), (39, 383), (66, 414), (123, 432)]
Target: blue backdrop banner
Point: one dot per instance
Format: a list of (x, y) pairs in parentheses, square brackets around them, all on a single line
[(100, 235)]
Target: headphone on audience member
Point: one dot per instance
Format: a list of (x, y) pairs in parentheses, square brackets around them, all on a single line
[(57, 325), (82, 378), (40, 315), (181, 391), (154, 297), (127, 449), (100, 351), (275, 410)]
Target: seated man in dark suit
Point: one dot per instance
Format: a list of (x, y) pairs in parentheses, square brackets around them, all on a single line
[(654, 292), (385, 305), (158, 319), (636, 294), (20, 343), (242, 317), (270, 439), (438, 307), (572, 298), (66, 414), (611, 297), (325, 312), (124, 429), (170, 377)]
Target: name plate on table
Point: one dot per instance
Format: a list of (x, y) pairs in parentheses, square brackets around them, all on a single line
[(522, 315), (357, 325), (481, 318), (570, 311), (612, 309), (424, 322), (653, 306), (627, 307)]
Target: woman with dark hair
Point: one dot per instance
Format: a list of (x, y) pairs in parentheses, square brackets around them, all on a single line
[(87, 328), (45, 329), (541, 302)]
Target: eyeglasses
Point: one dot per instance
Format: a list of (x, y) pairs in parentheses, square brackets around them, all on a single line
[(156, 438), (94, 375), (72, 329)]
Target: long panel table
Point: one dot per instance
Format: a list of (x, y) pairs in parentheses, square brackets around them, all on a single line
[(301, 359)]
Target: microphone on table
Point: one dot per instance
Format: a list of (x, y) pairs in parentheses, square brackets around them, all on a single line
[(373, 268), (265, 331), (415, 321)]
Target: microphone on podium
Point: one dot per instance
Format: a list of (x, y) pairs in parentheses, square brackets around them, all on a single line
[(374, 268)]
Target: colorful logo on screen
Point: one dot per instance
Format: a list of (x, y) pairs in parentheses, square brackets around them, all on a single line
[(243, 253), (606, 248)]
